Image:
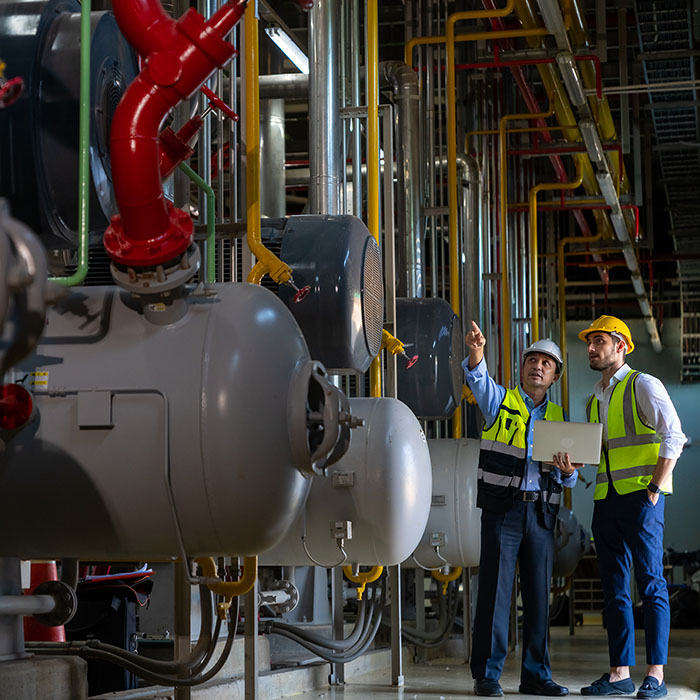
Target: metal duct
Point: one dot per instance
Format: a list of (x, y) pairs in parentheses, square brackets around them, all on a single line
[(404, 82), (324, 102)]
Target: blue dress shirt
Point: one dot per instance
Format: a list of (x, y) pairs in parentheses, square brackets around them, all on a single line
[(489, 395)]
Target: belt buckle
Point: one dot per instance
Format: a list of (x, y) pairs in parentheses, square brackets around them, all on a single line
[(530, 496)]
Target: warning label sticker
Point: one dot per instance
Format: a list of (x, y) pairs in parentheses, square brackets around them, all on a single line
[(38, 380)]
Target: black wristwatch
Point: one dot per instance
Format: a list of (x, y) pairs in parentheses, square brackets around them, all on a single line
[(653, 488)]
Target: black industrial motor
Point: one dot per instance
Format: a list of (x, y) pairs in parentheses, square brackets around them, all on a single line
[(429, 328), (342, 315), (39, 136)]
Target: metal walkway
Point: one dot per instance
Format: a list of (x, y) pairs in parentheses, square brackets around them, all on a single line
[(665, 34)]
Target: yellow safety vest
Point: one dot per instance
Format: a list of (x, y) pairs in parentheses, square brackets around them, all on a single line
[(504, 451), (631, 451)]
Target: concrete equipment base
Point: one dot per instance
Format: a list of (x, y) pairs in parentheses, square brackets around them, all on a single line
[(44, 678)]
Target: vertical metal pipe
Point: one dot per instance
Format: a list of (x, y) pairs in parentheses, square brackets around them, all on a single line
[(183, 644), (396, 659), (405, 87), (272, 155), (11, 626), (324, 115), (251, 657), (472, 291), (355, 96), (337, 674)]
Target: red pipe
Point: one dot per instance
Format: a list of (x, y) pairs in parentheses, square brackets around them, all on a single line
[(178, 58), (497, 63)]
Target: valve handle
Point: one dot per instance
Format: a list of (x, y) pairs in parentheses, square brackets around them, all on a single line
[(410, 361), (218, 102), (302, 293), (10, 90)]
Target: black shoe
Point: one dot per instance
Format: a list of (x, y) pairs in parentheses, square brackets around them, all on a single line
[(488, 687), (549, 688), (651, 688), (603, 686)]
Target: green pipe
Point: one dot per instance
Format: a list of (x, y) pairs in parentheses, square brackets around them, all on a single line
[(78, 277), (211, 218)]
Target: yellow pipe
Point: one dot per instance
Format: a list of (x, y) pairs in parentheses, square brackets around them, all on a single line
[(229, 589), (534, 191), (563, 112), (446, 578), (373, 224), (503, 196), (493, 35), (268, 262), (363, 577)]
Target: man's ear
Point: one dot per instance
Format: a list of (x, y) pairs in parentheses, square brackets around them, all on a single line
[(556, 377)]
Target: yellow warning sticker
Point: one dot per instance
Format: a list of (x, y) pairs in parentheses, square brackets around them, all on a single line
[(38, 380)]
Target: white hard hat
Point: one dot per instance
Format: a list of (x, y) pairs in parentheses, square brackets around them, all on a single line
[(548, 347)]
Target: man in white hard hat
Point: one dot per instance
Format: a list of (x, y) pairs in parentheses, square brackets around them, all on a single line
[(519, 499), (642, 439)]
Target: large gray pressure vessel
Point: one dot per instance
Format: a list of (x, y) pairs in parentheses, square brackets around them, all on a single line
[(381, 486), (213, 404), (453, 532)]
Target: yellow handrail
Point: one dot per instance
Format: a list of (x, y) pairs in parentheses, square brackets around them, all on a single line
[(229, 589), (534, 191), (268, 262), (363, 577)]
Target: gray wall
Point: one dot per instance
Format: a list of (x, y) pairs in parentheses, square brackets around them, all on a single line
[(683, 507)]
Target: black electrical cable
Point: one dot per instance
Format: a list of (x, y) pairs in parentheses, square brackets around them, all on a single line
[(358, 649), (90, 651), (448, 606), (320, 640), (203, 650)]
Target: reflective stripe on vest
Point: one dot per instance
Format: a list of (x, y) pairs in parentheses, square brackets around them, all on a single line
[(505, 440), (631, 451)]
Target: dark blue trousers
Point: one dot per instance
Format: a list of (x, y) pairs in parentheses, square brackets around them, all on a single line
[(629, 530), (507, 538)]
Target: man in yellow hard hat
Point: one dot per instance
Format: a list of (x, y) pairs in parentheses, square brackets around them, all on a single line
[(642, 439), (519, 501)]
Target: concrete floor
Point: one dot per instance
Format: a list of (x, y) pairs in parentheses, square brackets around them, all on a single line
[(576, 661)]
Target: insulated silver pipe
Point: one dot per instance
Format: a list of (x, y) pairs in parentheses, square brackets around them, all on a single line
[(404, 82), (324, 112), (272, 200), (284, 85), (272, 153)]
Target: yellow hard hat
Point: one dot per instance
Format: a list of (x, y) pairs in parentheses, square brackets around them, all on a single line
[(609, 324)]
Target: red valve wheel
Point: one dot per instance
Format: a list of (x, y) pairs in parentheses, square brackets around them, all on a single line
[(10, 91), (412, 362), (15, 406), (302, 294)]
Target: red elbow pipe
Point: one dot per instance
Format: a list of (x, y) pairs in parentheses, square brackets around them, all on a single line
[(178, 58)]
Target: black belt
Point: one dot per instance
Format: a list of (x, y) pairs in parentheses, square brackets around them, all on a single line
[(528, 496)]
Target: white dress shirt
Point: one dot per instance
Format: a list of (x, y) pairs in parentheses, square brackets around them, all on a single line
[(654, 406)]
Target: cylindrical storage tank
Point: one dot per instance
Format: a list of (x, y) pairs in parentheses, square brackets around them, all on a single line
[(430, 329), (211, 405), (381, 486), (40, 42), (454, 524), (570, 543), (342, 316)]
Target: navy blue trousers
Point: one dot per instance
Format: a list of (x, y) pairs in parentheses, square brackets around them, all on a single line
[(629, 530), (507, 538)]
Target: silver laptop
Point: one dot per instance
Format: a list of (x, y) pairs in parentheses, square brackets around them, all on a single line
[(581, 440)]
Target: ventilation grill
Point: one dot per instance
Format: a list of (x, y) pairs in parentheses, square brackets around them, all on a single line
[(372, 297)]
